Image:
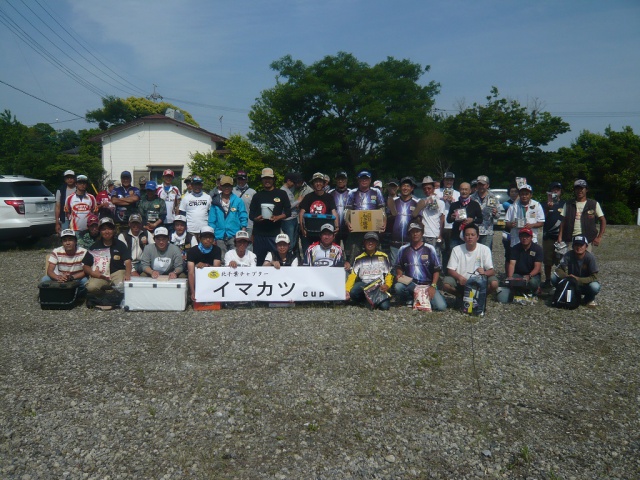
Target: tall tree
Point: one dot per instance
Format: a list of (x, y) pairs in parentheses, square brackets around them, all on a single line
[(342, 113), (502, 138), (116, 111)]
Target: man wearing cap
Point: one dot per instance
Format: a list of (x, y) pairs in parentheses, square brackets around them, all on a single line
[(463, 212), (525, 213), (227, 215), (105, 207), (65, 262), (581, 265), (142, 183), (152, 209), (364, 197), (125, 199), (108, 260), (467, 259), (369, 266), (489, 206), (291, 224), (340, 196), (325, 253), (136, 239), (240, 256), (402, 209), (525, 262), (79, 205), (181, 238), (88, 238), (244, 192), (282, 256), (188, 187), (551, 228), (205, 254), (448, 195), (161, 257), (65, 190), (580, 217), (267, 210), (195, 206), (318, 202), (170, 194), (431, 210), (418, 264)]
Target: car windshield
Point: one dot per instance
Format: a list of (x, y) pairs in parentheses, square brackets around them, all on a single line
[(24, 189)]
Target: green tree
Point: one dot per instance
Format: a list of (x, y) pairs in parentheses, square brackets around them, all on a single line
[(502, 139), (116, 111), (340, 113)]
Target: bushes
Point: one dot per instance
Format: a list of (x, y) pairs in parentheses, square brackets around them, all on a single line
[(617, 213)]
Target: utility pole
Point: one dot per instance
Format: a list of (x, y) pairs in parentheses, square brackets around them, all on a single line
[(221, 123), (155, 96)]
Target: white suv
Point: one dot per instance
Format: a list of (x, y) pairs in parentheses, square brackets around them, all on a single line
[(27, 208)]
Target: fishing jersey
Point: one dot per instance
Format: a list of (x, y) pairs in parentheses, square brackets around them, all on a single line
[(369, 268), (372, 199), (123, 213), (169, 195), (319, 256), (405, 209), (340, 198), (418, 263), (78, 208)]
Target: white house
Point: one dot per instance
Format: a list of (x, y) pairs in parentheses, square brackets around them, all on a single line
[(149, 145)]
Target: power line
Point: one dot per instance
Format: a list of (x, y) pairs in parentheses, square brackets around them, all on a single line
[(573, 114), (43, 101)]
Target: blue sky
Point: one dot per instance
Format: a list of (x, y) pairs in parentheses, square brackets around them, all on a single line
[(580, 59)]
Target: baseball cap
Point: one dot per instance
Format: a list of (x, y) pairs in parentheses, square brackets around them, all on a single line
[(371, 236), (394, 181), (226, 180), (364, 174), (483, 179), (580, 183), (341, 174), (92, 219), (142, 180), (242, 235), (526, 186), (241, 174), (188, 179), (105, 220), (135, 218), (449, 175), (427, 179), (525, 231), (126, 173), (415, 226), (161, 231), (196, 179), (317, 176), (327, 226), (69, 173), (408, 180), (179, 218), (67, 233), (553, 185), (377, 184), (580, 240), (151, 185), (267, 173), (110, 182), (82, 178), (168, 171), (207, 230), (283, 237)]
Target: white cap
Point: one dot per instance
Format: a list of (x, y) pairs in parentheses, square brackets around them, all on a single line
[(242, 235), (283, 237), (161, 231), (327, 226), (207, 229), (180, 218), (67, 233), (69, 172)]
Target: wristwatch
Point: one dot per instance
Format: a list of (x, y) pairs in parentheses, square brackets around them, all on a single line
[(434, 286)]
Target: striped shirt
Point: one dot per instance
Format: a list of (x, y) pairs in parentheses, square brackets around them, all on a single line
[(65, 263)]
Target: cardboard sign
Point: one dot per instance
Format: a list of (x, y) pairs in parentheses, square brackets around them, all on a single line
[(366, 220)]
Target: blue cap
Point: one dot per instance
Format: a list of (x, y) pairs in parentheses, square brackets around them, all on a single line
[(126, 173), (196, 179), (364, 173), (151, 185)]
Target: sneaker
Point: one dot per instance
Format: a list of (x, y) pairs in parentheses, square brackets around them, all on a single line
[(592, 304), (409, 303)]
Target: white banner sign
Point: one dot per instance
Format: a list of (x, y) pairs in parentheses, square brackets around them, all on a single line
[(267, 284)]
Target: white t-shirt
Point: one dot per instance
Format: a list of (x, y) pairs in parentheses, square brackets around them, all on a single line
[(466, 263), (249, 259), (447, 205), (577, 226), (431, 218), (196, 210), (532, 213)]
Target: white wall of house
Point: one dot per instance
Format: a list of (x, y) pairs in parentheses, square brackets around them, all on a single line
[(149, 146)]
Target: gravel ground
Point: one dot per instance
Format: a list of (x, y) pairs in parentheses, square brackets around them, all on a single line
[(313, 392)]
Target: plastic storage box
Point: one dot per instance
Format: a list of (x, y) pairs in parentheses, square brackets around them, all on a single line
[(143, 293)]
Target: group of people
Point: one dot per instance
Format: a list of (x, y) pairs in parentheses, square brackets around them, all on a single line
[(436, 242)]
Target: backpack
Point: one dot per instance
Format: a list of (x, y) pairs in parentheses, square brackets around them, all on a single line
[(566, 294)]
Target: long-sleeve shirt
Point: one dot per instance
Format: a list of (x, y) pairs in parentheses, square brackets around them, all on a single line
[(370, 267)]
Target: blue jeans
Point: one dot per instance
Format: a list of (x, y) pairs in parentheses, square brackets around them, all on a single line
[(504, 295), (291, 228), (486, 240), (357, 295), (589, 290), (405, 293)]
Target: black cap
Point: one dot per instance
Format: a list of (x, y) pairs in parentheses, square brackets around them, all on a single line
[(553, 185)]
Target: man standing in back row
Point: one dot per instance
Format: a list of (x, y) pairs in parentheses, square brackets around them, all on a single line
[(580, 216)]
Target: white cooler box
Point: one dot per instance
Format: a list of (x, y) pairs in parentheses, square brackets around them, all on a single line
[(143, 293)]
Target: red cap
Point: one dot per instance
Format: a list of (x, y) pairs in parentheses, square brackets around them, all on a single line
[(526, 230), (168, 171), (92, 219)]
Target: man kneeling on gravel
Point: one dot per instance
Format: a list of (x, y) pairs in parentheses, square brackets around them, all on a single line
[(580, 265)]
